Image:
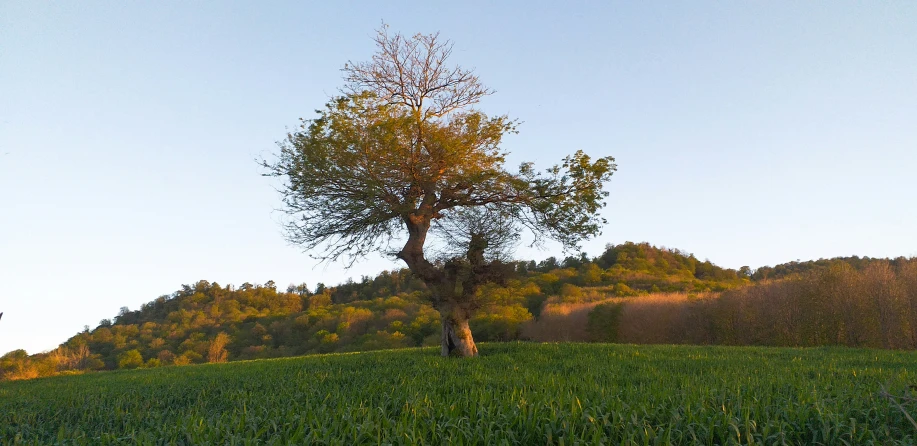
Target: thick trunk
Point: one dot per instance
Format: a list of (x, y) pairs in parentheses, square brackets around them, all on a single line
[(456, 338), (452, 291)]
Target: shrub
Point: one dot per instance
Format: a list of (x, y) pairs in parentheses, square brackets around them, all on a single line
[(130, 359), (500, 324), (603, 322)]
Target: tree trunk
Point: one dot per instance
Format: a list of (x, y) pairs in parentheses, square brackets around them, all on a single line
[(456, 338), (455, 307)]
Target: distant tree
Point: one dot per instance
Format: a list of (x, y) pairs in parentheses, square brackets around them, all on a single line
[(590, 274), (130, 359), (217, 349), (165, 357), (571, 293), (575, 261), (124, 316), (603, 321), (16, 365), (548, 264), (319, 300), (402, 152), (745, 272)]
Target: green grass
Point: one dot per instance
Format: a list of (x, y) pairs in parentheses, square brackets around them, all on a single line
[(513, 394)]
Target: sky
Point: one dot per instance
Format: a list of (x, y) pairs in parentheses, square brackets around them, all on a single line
[(747, 133)]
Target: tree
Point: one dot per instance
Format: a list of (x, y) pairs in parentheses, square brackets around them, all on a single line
[(745, 272), (216, 352), (402, 156), (130, 359)]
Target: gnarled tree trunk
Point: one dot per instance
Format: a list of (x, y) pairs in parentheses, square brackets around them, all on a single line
[(453, 286), (456, 339)]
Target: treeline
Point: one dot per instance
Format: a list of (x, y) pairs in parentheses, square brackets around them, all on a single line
[(637, 292), (788, 269)]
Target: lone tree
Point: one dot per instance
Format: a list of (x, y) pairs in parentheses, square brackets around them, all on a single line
[(402, 154)]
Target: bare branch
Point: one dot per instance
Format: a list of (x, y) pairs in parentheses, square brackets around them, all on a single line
[(412, 72)]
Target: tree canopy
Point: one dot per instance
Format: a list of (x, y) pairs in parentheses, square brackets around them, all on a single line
[(402, 151)]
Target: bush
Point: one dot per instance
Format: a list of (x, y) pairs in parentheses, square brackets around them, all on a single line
[(500, 324), (570, 293), (603, 322), (130, 359)]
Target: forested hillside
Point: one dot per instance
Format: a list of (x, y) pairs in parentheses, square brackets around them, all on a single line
[(625, 294)]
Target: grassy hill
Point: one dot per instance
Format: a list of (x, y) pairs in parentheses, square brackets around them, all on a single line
[(519, 393)]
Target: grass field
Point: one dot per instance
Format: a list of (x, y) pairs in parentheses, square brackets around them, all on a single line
[(514, 393)]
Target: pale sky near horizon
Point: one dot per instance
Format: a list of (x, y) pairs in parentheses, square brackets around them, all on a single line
[(749, 133)]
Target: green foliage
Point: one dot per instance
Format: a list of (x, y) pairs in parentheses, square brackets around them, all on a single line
[(404, 146), (571, 293), (512, 394), (603, 322), (18, 365), (501, 323), (130, 359), (402, 154)]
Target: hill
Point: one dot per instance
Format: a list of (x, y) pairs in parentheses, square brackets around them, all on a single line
[(630, 293), (515, 393)]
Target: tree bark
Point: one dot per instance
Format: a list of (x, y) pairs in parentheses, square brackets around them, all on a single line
[(452, 292), (412, 253), (456, 338)]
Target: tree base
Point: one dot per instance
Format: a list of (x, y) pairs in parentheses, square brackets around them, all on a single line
[(456, 339)]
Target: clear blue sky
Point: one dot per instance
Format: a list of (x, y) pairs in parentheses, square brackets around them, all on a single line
[(749, 133)]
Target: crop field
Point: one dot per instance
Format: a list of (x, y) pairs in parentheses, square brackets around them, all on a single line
[(513, 394)]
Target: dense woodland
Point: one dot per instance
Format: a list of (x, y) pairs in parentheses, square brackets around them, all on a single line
[(634, 293)]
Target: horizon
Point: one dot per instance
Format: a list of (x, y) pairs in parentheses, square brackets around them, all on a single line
[(745, 134)]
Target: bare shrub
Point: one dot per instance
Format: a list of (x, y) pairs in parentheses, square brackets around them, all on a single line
[(217, 350), (562, 322), (663, 318), (874, 307)]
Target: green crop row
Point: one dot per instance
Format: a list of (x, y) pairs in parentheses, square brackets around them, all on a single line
[(513, 394)]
